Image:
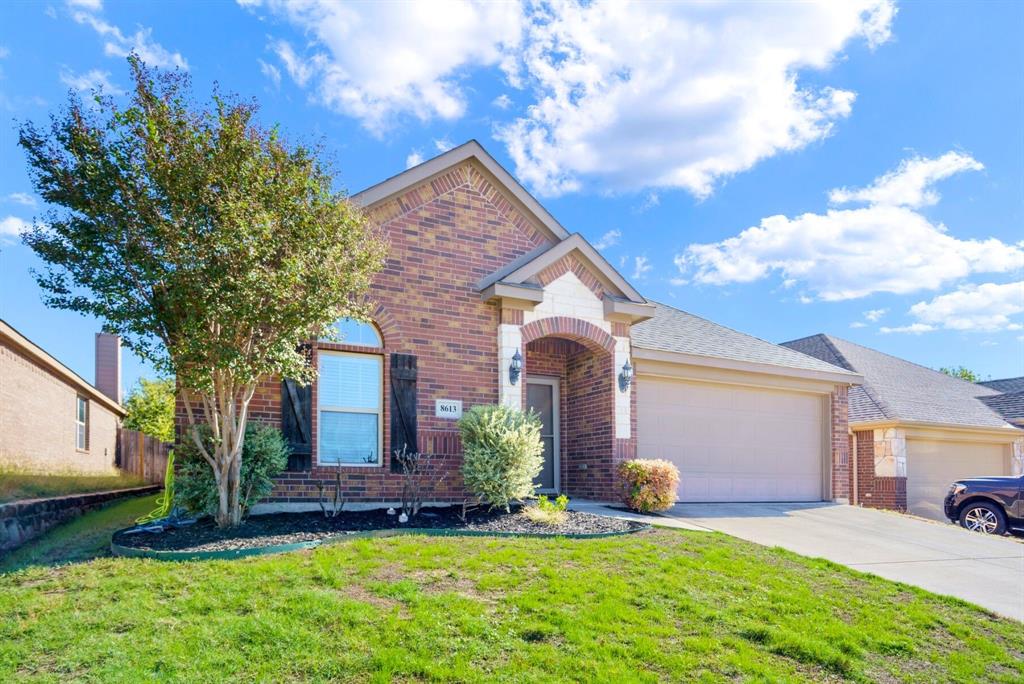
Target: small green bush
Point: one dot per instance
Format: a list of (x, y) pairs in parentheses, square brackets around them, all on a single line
[(502, 453), (548, 512), (264, 455), (649, 485)]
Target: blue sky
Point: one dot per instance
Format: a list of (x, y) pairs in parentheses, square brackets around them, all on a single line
[(856, 169)]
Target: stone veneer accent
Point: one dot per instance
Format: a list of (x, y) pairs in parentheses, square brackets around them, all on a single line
[(876, 490)]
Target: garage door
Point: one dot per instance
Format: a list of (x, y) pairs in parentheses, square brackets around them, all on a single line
[(733, 443), (932, 466)]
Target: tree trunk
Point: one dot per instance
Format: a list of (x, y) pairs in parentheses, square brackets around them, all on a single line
[(226, 413)]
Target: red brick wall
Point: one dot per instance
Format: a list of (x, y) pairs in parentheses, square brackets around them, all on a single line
[(590, 429), (444, 236), (840, 442), (586, 425), (875, 491)]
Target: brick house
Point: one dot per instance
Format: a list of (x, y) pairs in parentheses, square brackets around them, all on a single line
[(485, 298), (51, 419), (914, 430)]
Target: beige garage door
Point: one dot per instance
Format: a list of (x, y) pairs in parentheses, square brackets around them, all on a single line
[(932, 466), (733, 443)]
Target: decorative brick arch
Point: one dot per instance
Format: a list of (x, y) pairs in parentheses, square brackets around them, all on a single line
[(389, 330), (571, 328)]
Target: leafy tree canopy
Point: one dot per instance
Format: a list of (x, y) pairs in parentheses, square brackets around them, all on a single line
[(150, 407), (209, 243), (961, 372)]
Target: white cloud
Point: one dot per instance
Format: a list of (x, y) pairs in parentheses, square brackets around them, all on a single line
[(651, 200), (22, 198), (414, 159), (271, 72), (4, 52), (850, 253), (858, 324), (688, 94), (641, 266), (11, 227), (874, 315), (503, 101), (119, 45), (914, 329), (986, 307), (91, 5), (370, 62), (442, 145), (909, 185), (94, 79), (609, 239), (299, 70)]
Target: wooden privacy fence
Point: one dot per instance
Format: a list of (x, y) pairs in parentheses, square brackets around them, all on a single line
[(142, 455)]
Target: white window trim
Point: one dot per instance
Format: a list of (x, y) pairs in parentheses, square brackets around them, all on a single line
[(83, 424), (379, 412)]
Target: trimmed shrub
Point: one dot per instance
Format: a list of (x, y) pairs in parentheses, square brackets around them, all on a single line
[(502, 453), (648, 485), (264, 455)]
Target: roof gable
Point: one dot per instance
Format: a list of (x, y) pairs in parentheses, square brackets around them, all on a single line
[(492, 171), (532, 268)]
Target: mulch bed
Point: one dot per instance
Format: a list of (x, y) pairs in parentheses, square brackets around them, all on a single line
[(290, 528)]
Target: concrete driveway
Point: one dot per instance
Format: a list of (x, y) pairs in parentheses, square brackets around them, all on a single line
[(942, 558)]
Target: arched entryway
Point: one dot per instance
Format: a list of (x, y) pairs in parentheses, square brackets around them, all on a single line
[(568, 378)]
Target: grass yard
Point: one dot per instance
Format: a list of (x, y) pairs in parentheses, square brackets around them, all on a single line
[(16, 485), (81, 539), (666, 605)]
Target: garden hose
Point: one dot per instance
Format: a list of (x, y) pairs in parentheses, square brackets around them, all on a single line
[(164, 502)]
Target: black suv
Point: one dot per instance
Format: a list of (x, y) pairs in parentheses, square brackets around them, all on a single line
[(987, 504)]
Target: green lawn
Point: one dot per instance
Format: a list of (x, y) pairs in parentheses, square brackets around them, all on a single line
[(16, 485), (81, 539), (666, 605)]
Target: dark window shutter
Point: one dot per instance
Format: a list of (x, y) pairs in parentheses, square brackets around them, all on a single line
[(403, 405), (297, 424)]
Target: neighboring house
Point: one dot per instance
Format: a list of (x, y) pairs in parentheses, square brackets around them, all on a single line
[(916, 430), (1009, 402), (51, 420), (486, 298)]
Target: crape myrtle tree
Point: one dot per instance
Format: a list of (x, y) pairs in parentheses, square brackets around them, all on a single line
[(210, 244)]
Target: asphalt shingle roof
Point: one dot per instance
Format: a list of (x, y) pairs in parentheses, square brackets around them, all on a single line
[(1009, 405), (896, 389), (1005, 384), (673, 330)]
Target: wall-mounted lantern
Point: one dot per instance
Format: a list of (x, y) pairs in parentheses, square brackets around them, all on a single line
[(625, 376), (515, 368)]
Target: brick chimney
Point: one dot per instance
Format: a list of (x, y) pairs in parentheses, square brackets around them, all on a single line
[(108, 365)]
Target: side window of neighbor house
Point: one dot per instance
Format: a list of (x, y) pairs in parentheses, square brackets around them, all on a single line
[(349, 404), (82, 423)]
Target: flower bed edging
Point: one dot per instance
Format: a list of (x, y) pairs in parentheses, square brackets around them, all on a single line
[(132, 552)]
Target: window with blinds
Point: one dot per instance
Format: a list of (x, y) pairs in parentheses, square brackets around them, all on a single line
[(349, 405)]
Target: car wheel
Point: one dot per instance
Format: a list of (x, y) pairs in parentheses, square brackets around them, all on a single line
[(982, 517)]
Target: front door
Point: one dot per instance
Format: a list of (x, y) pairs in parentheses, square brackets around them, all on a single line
[(542, 398)]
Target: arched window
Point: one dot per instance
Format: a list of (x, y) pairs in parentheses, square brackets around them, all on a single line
[(357, 333)]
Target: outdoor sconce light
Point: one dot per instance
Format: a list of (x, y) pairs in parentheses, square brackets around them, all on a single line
[(626, 376), (515, 368)]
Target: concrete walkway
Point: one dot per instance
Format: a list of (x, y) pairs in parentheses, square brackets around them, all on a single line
[(939, 557)]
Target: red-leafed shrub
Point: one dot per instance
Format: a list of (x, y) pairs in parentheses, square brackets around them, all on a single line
[(648, 485)]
